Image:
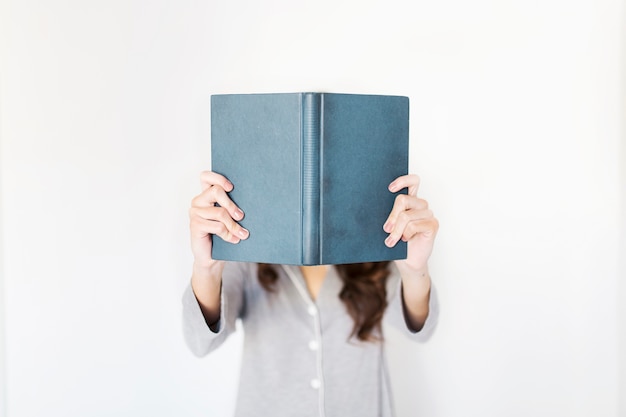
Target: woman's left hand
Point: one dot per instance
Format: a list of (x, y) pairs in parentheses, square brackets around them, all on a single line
[(413, 222)]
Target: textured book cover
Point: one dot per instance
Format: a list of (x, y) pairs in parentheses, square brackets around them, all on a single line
[(310, 171)]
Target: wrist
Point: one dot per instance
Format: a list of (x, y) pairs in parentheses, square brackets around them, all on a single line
[(208, 270), (409, 271), (206, 282), (417, 280)]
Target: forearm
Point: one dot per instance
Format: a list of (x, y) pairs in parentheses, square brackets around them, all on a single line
[(206, 282), (415, 295)]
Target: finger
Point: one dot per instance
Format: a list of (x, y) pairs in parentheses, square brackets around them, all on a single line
[(209, 178), (409, 223), (402, 203), (216, 194), (216, 221), (209, 228), (426, 228), (411, 181), (404, 219), (218, 215)]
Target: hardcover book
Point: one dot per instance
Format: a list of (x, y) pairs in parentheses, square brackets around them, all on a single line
[(310, 171)]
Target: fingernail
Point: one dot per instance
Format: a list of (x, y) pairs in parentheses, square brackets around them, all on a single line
[(392, 187), (388, 227), (243, 233), (229, 185), (238, 214), (389, 241)]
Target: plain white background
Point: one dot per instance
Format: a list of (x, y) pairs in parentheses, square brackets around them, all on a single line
[(516, 130)]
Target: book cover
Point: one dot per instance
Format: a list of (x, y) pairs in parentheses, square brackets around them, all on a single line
[(310, 171)]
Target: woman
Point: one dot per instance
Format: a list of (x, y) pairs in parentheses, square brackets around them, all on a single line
[(313, 339)]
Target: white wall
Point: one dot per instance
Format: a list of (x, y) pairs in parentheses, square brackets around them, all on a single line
[(2, 305), (622, 251), (515, 112)]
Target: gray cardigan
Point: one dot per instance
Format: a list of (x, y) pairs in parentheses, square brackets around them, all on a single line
[(297, 358)]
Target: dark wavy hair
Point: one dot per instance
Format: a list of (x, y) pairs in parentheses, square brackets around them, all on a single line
[(364, 294)]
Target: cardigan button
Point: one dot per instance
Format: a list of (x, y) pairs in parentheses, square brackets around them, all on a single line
[(313, 345), (316, 383), (312, 310)]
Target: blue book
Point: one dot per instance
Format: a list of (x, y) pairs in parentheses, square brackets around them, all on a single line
[(310, 171)]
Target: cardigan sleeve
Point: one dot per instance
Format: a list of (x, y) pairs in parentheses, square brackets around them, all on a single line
[(200, 339), (395, 313)]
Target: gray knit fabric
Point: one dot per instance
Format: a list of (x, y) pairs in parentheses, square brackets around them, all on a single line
[(297, 359)]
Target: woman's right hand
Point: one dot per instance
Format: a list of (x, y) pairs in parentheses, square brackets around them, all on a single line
[(212, 213)]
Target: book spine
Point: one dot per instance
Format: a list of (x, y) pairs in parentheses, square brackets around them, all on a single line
[(311, 144)]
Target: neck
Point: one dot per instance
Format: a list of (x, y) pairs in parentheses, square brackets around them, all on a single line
[(314, 277), (314, 270)]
